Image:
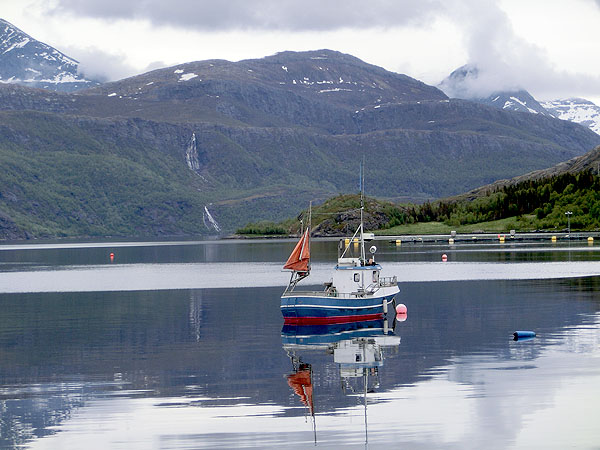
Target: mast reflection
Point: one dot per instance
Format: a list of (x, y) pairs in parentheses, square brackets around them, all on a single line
[(358, 352)]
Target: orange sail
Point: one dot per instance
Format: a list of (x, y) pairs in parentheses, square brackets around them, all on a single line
[(300, 257)]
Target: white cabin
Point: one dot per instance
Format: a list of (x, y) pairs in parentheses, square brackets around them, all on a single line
[(350, 276)]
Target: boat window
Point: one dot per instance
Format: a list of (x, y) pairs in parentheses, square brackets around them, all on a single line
[(357, 277), (375, 276)]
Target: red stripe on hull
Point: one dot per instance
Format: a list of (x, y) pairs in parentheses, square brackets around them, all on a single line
[(331, 319)]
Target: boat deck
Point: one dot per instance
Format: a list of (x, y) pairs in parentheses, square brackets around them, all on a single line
[(330, 291)]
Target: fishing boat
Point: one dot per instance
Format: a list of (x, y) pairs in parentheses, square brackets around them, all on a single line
[(355, 292)]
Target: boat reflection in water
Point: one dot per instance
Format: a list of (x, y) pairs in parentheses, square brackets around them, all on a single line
[(357, 349)]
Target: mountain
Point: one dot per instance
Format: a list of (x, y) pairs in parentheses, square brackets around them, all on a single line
[(323, 89), (466, 83), (576, 110), (168, 151), (26, 61), (520, 101)]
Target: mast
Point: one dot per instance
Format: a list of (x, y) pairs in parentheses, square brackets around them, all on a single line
[(360, 230), (309, 228), (307, 232), (366, 381), (362, 207)]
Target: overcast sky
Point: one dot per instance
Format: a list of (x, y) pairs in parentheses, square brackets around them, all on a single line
[(549, 47)]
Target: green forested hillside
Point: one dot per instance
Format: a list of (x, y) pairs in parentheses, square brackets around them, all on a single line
[(534, 204), (547, 198)]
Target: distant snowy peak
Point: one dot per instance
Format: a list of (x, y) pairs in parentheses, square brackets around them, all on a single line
[(26, 61), (467, 82), (521, 101), (576, 110)]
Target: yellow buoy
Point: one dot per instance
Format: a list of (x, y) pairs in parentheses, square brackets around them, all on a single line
[(553, 238), (398, 241), (347, 242), (590, 240), (450, 241)]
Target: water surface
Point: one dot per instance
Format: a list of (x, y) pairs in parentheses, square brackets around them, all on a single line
[(125, 363)]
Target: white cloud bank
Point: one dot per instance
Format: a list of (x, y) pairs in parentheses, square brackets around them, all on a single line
[(548, 48)]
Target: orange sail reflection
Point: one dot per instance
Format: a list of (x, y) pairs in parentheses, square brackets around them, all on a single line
[(301, 383)]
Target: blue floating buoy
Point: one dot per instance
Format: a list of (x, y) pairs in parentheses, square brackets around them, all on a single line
[(523, 335)]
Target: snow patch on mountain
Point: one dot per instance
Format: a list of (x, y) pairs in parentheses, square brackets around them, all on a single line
[(187, 76), (511, 104), (576, 110)]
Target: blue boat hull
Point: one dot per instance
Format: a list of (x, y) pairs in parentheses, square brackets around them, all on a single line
[(330, 310), (321, 334)]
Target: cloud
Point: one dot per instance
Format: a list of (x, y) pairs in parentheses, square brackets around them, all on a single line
[(155, 65), (505, 61), (307, 15), (101, 66), (501, 58)]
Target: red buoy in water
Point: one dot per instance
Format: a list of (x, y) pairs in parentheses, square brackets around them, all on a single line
[(444, 257), (112, 257), (401, 308)]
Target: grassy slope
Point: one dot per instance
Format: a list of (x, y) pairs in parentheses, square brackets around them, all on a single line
[(83, 187), (523, 223)]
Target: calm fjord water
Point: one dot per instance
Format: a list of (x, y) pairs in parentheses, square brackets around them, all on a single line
[(181, 346)]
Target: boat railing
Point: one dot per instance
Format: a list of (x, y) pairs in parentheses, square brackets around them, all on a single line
[(388, 281), (383, 282), (330, 291)]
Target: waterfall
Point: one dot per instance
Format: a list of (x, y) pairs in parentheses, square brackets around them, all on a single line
[(209, 221), (191, 154)]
